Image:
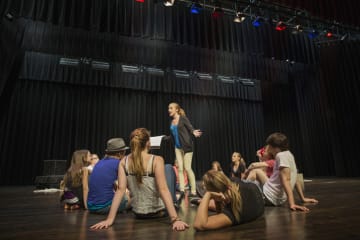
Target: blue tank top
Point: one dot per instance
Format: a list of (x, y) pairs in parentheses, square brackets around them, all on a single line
[(175, 133), (101, 183)]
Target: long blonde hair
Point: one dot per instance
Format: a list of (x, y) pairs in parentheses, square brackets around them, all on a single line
[(177, 107), (215, 181), (78, 161), (138, 140)]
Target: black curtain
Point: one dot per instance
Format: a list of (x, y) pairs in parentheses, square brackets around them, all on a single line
[(48, 120), (329, 107), (49, 110)]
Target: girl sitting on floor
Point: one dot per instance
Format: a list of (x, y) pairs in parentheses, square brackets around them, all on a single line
[(73, 180), (145, 175)]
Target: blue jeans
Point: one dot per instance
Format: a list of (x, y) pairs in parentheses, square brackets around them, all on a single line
[(171, 180)]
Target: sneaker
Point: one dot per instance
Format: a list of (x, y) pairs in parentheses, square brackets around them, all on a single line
[(195, 200), (192, 195), (181, 196)]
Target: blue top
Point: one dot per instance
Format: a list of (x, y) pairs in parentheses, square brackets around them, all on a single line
[(101, 190), (175, 133)]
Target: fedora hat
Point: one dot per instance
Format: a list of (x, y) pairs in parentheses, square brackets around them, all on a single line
[(115, 145)]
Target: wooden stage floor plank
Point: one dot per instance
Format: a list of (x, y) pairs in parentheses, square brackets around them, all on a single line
[(27, 215)]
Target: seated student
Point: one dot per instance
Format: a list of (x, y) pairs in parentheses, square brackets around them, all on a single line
[(72, 196), (266, 163), (200, 188), (103, 177), (86, 174), (144, 174), (279, 187), (238, 166), (215, 165), (234, 202), (94, 158)]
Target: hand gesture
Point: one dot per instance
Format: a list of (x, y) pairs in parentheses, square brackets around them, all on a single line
[(197, 133)]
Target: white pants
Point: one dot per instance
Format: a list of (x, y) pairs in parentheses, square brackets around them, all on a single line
[(184, 161)]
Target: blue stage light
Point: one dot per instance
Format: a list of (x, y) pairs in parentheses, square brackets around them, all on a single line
[(195, 8), (258, 22), (313, 34)]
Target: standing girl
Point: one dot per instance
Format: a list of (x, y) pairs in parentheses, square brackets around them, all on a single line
[(182, 132)]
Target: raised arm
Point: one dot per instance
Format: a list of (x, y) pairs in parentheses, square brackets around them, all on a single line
[(116, 200), (195, 132), (285, 181), (165, 195)]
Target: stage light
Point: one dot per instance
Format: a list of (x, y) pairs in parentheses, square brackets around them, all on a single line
[(218, 12), (99, 65), (169, 3), (195, 8), (155, 71), (181, 74), (69, 62), (9, 16), (328, 34), (140, 1), (313, 34), (239, 18), (130, 68), (258, 22), (247, 82), (297, 29), (205, 76), (344, 37), (280, 26), (226, 79)]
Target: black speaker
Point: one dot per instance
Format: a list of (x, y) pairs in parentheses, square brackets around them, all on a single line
[(52, 181), (53, 173)]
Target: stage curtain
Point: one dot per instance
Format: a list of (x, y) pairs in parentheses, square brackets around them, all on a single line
[(48, 110), (49, 120)]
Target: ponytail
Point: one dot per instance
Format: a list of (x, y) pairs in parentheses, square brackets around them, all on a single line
[(138, 139), (181, 112), (177, 107)]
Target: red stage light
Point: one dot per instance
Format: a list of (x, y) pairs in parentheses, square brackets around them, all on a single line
[(140, 1), (329, 34), (280, 26), (217, 13)]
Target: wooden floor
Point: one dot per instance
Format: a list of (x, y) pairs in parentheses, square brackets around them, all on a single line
[(26, 215)]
